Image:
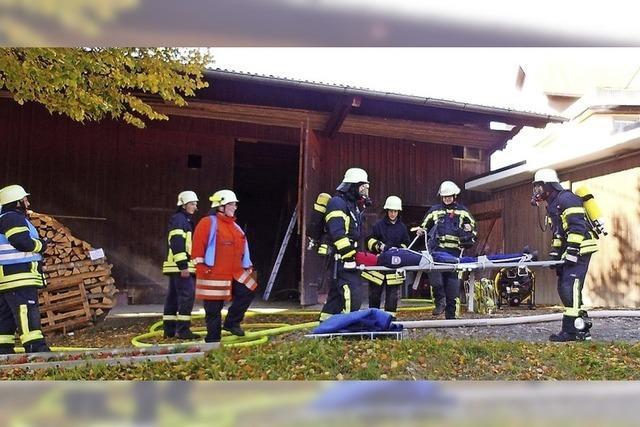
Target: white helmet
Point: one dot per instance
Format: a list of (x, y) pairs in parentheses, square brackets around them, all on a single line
[(393, 203), (222, 197), (448, 188), (186, 196), (355, 175), (546, 176), (12, 193)]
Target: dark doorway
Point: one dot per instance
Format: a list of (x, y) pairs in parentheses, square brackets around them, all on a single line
[(266, 183)]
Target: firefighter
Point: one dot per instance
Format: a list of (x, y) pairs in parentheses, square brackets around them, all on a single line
[(573, 241), (20, 274), (179, 267), (388, 232), (343, 222), (450, 228), (224, 271)]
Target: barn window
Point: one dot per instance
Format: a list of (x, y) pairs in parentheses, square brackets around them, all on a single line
[(457, 151), (194, 161), (466, 153)]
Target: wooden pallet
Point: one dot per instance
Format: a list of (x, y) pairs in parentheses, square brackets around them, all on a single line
[(66, 310)]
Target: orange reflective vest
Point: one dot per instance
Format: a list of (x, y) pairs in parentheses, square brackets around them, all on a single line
[(213, 282)]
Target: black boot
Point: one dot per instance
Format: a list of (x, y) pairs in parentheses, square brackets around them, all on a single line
[(183, 330), (7, 349), (36, 347), (169, 327), (568, 332), (583, 336), (439, 308), (188, 335), (563, 336), (235, 330)]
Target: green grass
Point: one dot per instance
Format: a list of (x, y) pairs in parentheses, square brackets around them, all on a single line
[(426, 358)]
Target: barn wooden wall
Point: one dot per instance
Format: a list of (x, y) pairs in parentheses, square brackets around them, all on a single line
[(123, 181)]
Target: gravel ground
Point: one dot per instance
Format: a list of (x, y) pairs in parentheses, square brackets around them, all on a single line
[(119, 334), (620, 329)]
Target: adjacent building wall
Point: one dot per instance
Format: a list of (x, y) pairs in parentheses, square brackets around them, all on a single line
[(614, 274)]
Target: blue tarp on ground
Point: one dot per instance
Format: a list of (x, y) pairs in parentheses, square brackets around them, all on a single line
[(369, 320)]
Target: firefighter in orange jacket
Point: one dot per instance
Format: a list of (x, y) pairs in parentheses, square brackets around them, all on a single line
[(224, 270)]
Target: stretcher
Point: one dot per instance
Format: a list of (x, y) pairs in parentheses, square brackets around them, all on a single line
[(427, 264)]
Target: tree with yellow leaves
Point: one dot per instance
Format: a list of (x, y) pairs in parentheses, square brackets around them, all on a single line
[(89, 84)]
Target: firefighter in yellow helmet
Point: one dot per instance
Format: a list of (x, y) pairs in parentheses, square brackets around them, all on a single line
[(573, 241), (176, 318), (21, 276), (450, 228)]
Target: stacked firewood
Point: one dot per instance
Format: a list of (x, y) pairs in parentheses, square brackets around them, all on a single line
[(79, 291)]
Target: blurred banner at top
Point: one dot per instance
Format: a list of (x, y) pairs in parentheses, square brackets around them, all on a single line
[(315, 23)]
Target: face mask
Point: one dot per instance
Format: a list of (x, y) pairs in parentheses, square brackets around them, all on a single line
[(363, 191), (538, 195)]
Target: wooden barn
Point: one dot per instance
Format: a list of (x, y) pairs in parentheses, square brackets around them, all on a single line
[(276, 142)]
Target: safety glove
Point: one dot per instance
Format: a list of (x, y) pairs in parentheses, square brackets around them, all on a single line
[(349, 264), (571, 255)]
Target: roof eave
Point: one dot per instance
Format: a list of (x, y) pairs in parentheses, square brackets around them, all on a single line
[(534, 118)]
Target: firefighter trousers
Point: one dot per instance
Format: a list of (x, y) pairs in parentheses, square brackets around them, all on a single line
[(241, 299), (390, 296), (19, 312), (345, 293), (570, 284), (178, 305), (446, 290)]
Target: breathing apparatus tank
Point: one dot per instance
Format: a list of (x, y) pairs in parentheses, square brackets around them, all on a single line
[(315, 231), (593, 212)]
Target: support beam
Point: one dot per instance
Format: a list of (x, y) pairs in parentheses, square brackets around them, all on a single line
[(431, 132), (503, 143), (339, 114)]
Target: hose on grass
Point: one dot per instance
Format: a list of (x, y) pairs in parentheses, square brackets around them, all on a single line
[(250, 338)]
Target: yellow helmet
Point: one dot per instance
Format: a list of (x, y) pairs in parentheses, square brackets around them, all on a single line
[(187, 196), (222, 197), (12, 193), (393, 203)]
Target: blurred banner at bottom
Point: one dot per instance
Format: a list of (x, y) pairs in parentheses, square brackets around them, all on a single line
[(353, 403)]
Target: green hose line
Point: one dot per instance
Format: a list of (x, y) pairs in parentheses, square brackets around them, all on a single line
[(421, 308), (255, 338), (259, 341)]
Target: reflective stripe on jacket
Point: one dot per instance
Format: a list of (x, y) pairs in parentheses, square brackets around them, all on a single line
[(179, 244), (449, 224), (20, 252), (343, 222)]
